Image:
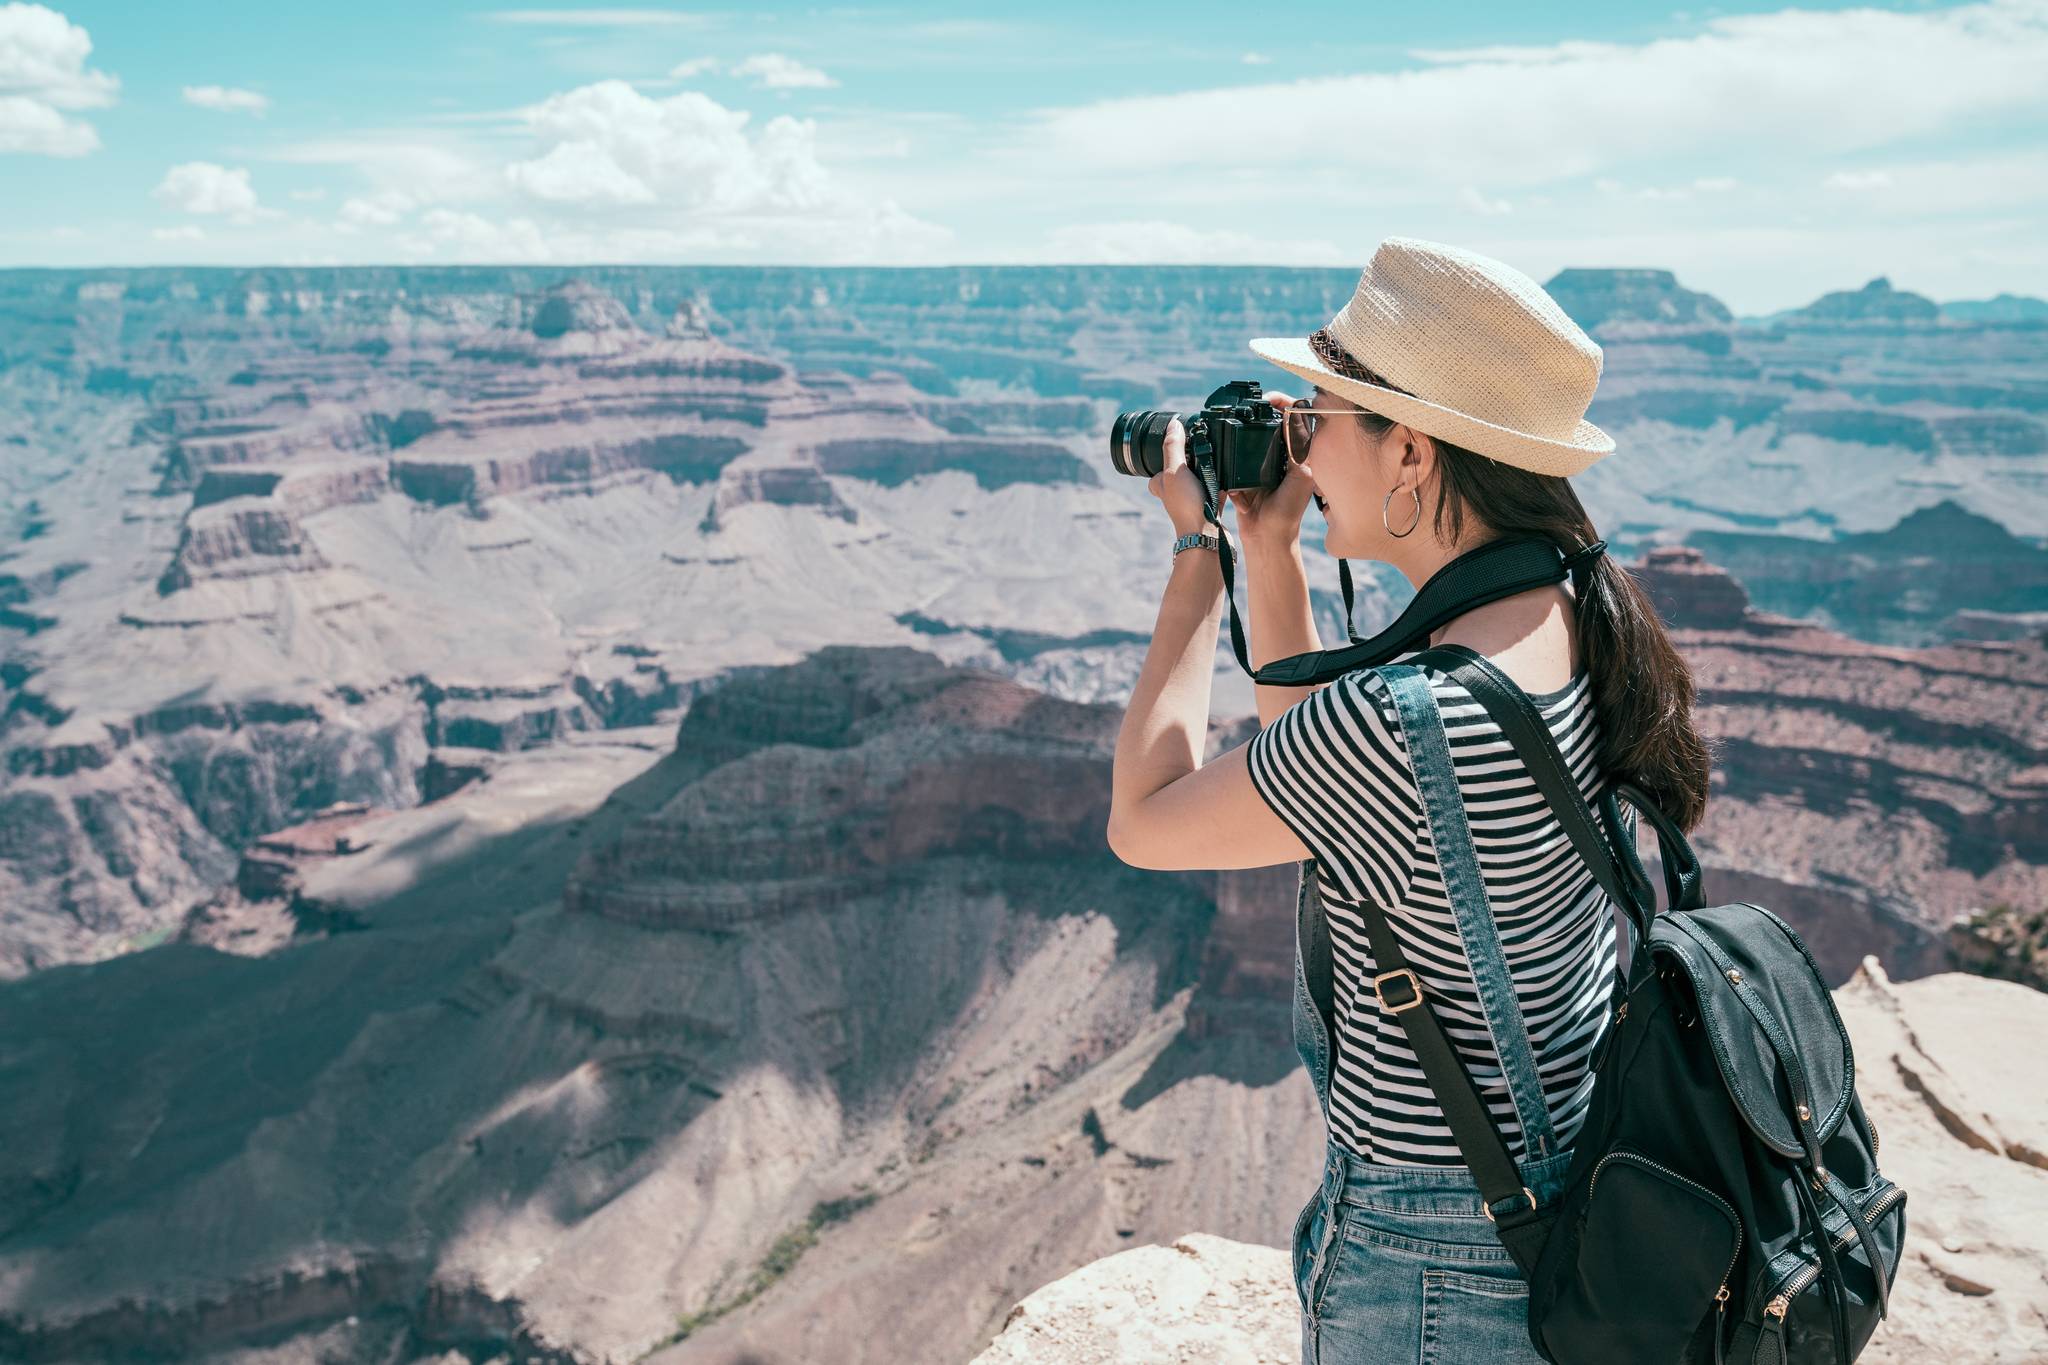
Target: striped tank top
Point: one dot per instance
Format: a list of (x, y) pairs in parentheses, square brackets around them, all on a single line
[(1334, 767)]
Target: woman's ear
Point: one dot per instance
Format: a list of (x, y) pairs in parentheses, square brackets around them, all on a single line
[(1417, 448)]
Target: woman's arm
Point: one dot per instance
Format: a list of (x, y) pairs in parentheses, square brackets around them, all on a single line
[(1282, 619), (1166, 808), (1165, 726)]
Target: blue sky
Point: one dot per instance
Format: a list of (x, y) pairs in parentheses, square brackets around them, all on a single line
[(1765, 154)]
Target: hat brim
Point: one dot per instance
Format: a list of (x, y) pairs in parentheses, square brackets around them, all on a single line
[(1522, 449)]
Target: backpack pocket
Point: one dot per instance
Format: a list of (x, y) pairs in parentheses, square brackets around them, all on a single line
[(1789, 1315), (1655, 1251)]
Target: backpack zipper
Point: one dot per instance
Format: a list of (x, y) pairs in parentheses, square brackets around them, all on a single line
[(1781, 1302), (1720, 1294)]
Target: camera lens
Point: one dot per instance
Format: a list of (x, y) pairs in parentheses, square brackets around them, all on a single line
[(1137, 442)]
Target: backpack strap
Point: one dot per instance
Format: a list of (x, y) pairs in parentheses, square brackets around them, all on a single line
[(1519, 719), (1398, 988), (1509, 1202), (1624, 879)]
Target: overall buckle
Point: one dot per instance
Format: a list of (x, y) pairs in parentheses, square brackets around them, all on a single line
[(1527, 1194), (1413, 998)]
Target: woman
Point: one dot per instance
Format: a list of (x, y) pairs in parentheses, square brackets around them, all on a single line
[(1451, 392)]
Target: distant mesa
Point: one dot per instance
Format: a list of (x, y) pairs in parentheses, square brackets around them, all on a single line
[(691, 322), (1999, 308), (792, 485), (575, 306), (1875, 302), (1904, 585), (1948, 529), (1691, 592), (1597, 298)]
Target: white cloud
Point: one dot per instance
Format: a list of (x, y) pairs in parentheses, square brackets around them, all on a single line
[(1255, 59), (608, 172), (227, 99), (614, 145), (472, 237), (1472, 199), (774, 71), (1703, 184), (1161, 242), (381, 209), (42, 73), (580, 172), (612, 173), (203, 187), (597, 18), (1794, 81), (405, 163), (1952, 185), (187, 232), (769, 70)]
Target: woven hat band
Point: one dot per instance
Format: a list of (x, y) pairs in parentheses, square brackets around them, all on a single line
[(1343, 362)]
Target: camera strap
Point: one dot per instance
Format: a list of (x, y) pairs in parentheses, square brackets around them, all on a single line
[(1486, 573)]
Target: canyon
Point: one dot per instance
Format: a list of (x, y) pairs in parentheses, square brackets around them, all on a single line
[(563, 817)]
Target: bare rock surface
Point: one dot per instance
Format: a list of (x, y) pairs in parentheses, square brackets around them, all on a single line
[(821, 1026), (1203, 1300), (270, 538), (1961, 1133), (1872, 794)]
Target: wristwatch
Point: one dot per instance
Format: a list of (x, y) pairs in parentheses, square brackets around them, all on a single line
[(1193, 539)]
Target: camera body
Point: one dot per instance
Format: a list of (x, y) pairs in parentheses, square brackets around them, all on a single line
[(1233, 442)]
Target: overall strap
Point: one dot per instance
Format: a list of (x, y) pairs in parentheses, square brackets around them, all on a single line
[(1429, 751), (1509, 1202)]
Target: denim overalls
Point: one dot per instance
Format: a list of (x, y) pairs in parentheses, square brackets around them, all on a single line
[(1398, 1263)]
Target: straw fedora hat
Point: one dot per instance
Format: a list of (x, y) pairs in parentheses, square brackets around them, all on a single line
[(1464, 347)]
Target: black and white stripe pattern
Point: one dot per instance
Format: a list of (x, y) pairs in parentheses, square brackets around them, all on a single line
[(1335, 768)]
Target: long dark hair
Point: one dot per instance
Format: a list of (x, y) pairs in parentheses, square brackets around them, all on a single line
[(1643, 691)]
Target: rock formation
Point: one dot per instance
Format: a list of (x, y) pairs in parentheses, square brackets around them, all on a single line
[(821, 1021), (1870, 795), (1597, 298), (496, 513), (1875, 302), (280, 538), (1961, 1134), (1903, 585)]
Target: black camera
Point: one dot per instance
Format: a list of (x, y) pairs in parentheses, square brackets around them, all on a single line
[(1234, 442)]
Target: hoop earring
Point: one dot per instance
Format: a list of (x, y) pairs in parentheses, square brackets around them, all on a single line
[(1411, 525)]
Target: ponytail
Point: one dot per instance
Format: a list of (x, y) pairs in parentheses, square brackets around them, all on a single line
[(1643, 690)]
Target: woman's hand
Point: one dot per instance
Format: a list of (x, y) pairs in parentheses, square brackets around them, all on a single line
[(1178, 485), (1272, 518)]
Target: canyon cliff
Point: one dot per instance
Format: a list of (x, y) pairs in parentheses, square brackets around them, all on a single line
[(577, 1060), (281, 539)]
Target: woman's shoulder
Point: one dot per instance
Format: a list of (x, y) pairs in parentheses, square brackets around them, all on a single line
[(1368, 693), (1555, 704)]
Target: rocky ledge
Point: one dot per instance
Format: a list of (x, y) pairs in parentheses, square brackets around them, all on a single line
[(1962, 1132)]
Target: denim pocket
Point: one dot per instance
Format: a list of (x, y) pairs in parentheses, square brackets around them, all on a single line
[(1450, 1235), (1316, 1246), (1470, 1316), (1298, 1248)]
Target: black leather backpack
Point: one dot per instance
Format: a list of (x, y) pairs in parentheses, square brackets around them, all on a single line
[(1724, 1202)]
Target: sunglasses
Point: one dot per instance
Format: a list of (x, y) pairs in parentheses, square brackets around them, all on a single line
[(1300, 427)]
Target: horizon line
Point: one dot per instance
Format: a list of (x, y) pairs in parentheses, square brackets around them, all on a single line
[(897, 266)]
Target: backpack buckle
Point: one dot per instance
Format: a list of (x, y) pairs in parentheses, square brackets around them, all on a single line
[(1527, 1194), (1413, 998)]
